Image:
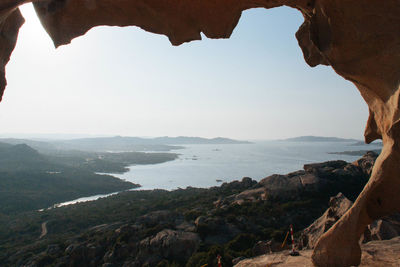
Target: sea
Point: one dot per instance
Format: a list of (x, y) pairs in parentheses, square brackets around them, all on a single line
[(211, 165)]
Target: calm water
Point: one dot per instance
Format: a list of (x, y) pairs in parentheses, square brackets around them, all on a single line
[(202, 165)]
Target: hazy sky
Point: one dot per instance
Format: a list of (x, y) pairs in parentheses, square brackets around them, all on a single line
[(125, 81)]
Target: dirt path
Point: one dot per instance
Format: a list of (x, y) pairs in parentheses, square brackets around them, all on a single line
[(44, 230)]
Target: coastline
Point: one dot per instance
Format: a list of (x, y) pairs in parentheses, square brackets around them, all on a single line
[(220, 215)]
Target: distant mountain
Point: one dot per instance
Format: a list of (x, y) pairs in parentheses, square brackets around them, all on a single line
[(183, 140), (41, 146), (4, 145), (362, 143), (319, 139), (89, 144), (119, 143), (20, 157)]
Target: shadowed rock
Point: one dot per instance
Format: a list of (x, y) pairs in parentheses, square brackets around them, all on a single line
[(382, 229), (169, 244), (359, 39), (9, 28), (338, 206), (316, 177)]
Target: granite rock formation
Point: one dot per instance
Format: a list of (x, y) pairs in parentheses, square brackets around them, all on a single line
[(383, 229), (375, 254), (338, 206), (315, 178), (359, 39)]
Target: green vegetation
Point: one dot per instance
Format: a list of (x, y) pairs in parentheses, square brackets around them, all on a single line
[(259, 220), (107, 162), (24, 191), (30, 180)]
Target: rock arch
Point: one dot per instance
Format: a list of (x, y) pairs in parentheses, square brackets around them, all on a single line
[(360, 40)]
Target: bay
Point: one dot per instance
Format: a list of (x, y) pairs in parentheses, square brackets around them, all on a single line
[(210, 165)]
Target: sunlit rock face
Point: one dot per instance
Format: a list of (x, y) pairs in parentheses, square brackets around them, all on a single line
[(359, 39)]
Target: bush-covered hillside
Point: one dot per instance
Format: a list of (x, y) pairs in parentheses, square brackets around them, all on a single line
[(185, 227), (30, 180)]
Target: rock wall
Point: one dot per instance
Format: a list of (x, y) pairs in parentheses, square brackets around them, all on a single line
[(359, 39), (383, 229)]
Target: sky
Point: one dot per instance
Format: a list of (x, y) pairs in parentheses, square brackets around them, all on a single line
[(125, 81)]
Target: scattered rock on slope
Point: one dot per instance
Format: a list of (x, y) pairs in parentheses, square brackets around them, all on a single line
[(319, 177), (168, 244)]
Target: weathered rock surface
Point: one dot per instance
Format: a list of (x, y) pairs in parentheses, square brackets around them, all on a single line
[(169, 244), (338, 206), (316, 177), (366, 162), (382, 229), (262, 247), (124, 246), (359, 39), (375, 254)]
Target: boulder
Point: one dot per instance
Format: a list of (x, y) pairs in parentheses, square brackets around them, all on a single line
[(382, 229), (318, 177), (186, 227), (366, 162), (244, 184), (250, 195), (262, 247), (324, 168), (338, 206), (169, 244), (281, 186)]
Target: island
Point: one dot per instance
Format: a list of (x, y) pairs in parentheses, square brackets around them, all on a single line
[(311, 138)]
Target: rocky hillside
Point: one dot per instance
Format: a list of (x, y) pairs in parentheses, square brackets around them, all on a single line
[(186, 227)]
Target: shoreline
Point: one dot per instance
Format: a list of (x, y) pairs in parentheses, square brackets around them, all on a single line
[(133, 175)]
